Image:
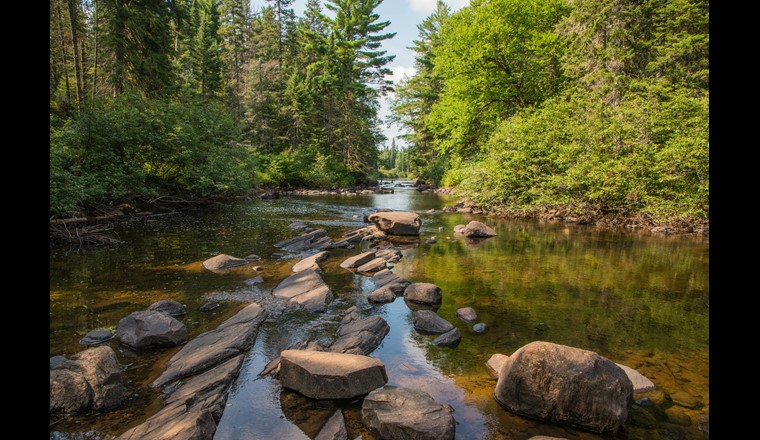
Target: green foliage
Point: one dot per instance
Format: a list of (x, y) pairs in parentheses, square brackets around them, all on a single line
[(131, 146), (589, 103)]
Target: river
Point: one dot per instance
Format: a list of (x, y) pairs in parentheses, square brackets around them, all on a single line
[(641, 300)]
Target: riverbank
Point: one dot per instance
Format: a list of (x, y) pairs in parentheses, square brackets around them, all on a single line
[(586, 214)]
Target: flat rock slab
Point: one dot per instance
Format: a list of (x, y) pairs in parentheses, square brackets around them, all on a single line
[(311, 262), (565, 385), (224, 261), (449, 339), (328, 375), (639, 381), (397, 223), (229, 339), (427, 321), (383, 277), (476, 229), (467, 314), (407, 414), (305, 289), (372, 266), (146, 329), (360, 335), (96, 337), (423, 293), (168, 307), (312, 240), (192, 410), (357, 260)]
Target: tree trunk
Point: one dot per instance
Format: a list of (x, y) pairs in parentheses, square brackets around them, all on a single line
[(74, 20), (95, 49), (63, 53)]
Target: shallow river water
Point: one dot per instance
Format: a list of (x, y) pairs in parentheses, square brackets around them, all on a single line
[(641, 300)]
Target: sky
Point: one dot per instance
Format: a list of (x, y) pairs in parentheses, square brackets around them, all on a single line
[(404, 16)]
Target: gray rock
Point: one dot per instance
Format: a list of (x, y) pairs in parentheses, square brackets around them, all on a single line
[(360, 335), (193, 409), (449, 339), (479, 327), (565, 385), (252, 257), (494, 364), (407, 414), (56, 361), (427, 321), (389, 254), (458, 229), (305, 289), (297, 225), (253, 281), (476, 229), (467, 314), (146, 329), (223, 261), (229, 339), (311, 262), (357, 260), (89, 381), (431, 241), (334, 429), (209, 306), (639, 381), (397, 223), (372, 266), (312, 240), (383, 277), (398, 286), (168, 307), (381, 295), (423, 293), (328, 375), (96, 337)]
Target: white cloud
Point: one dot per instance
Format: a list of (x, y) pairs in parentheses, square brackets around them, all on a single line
[(428, 6), (401, 72)]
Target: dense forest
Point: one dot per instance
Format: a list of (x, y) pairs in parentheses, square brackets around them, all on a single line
[(519, 104), (526, 105)]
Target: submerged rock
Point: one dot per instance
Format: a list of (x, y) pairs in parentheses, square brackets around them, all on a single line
[(407, 414), (479, 327), (168, 307), (209, 306), (306, 289), (328, 375), (224, 261), (334, 429), (146, 329), (397, 223), (96, 337), (565, 385)]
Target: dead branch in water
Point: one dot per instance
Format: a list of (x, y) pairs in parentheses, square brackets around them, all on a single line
[(85, 235)]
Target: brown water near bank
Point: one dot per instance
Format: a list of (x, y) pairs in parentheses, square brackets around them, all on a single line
[(639, 300)]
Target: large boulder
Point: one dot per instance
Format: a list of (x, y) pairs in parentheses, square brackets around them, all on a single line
[(565, 385), (90, 380), (423, 293), (328, 375), (360, 335), (427, 321), (310, 262), (305, 289), (168, 307), (223, 261), (476, 229), (397, 223), (357, 260), (146, 329), (229, 339), (407, 414)]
